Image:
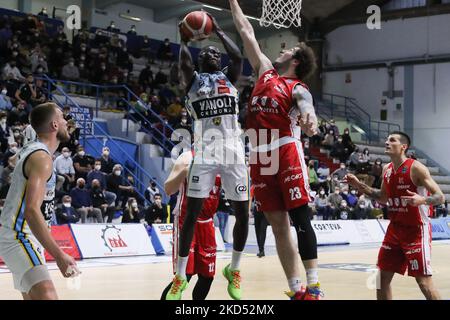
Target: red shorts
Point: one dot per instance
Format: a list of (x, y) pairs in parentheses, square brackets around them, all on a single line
[(202, 255), (288, 187), (406, 247)]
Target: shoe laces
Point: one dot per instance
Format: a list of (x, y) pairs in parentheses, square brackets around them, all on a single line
[(236, 278), (177, 282)]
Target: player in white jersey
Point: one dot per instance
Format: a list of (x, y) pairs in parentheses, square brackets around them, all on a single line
[(28, 209), (212, 101)]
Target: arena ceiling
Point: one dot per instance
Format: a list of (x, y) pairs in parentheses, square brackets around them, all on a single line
[(322, 15)]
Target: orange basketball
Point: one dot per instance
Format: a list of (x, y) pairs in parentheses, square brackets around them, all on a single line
[(197, 26)]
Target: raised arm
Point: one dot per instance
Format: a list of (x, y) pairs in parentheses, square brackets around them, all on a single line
[(178, 174), (304, 101), (421, 177), (258, 60), (186, 64), (236, 59)]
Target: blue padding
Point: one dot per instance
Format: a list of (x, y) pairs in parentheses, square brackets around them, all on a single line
[(121, 150), (155, 241), (440, 228)]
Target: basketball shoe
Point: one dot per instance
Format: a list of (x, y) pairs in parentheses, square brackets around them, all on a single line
[(234, 282), (313, 292), (179, 284)]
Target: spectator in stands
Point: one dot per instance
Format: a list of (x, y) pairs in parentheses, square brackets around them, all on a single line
[(150, 192), (363, 208), (29, 134), (132, 193), (97, 174), (74, 134), (107, 163), (352, 198), (38, 63), (70, 71), (132, 213), (64, 168), (322, 205), (66, 214), (341, 172), (323, 172), (339, 151), (160, 79), (26, 92), (165, 53), (11, 72), (82, 202), (174, 75), (43, 13), (123, 59), (100, 202), (10, 152), (329, 140), (5, 101), (334, 201), (185, 121), (174, 111), (18, 114), (334, 127), (66, 113), (343, 212), (116, 184), (354, 158), (82, 163), (4, 132), (146, 77), (157, 212), (132, 30), (112, 27), (41, 93), (313, 178), (347, 141), (442, 210), (364, 164), (375, 172)]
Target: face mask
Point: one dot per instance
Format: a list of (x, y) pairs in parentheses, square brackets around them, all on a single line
[(103, 68), (342, 167), (345, 192), (331, 132), (66, 154), (81, 153), (98, 167), (346, 132), (13, 149), (183, 121), (40, 70), (71, 64), (117, 173), (82, 58), (16, 134), (336, 192), (344, 205), (15, 45), (15, 54), (3, 121), (83, 49), (4, 92), (339, 140), (81, 66), (322, 192), (134, 205), (125, 75), (353, 192), (377, 163), (106, 153), (184, 114), (328, 178), (67, 204), (114, 81)]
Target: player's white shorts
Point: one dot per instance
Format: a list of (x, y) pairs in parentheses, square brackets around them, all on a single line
[(225, 159), (24, 257)]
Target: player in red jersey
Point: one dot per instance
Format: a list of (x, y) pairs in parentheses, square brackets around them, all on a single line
[(279, 109), (202, 255), (406, 188)]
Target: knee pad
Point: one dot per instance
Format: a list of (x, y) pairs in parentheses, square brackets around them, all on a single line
[(306, 237)]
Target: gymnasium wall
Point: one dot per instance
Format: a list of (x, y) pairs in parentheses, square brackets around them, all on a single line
[(367, 87), (425, 111), (271, 45), (158, 31), (397, 39), (10, 4)]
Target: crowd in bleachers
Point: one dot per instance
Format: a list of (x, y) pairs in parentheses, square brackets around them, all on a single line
[(90, 188)]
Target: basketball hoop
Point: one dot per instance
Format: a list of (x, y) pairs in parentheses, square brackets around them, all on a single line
[(281, 13)]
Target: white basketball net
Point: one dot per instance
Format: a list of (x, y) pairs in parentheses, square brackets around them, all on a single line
[(281, 13)]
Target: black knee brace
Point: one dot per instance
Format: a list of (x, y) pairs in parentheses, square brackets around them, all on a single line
[(306, 237)]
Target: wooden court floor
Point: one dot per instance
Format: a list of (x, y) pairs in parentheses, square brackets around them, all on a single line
[(345, 274)]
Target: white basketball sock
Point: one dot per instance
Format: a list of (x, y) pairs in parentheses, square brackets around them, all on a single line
[(235, 260), (295, 284), (312, 276), (181, 266)]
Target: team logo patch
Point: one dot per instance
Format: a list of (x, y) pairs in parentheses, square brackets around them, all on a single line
[(388, 174), (404, 169), (222, 90), (240, 188), (222, 82), (217, 121), (195, 179)]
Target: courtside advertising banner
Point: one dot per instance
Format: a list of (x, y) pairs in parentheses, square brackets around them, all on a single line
[(65, 240), (164, 233), (109, 240)]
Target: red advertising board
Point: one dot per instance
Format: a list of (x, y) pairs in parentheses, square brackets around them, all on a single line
[(65, 240)]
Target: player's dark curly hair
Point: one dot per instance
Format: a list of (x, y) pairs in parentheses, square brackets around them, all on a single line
[(307, 58)]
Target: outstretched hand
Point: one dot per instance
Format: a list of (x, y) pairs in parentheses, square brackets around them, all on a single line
[(216, 26), (182, 34), (413, 199)]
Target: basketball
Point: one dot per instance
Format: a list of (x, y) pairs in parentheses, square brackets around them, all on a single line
[(197, 26)]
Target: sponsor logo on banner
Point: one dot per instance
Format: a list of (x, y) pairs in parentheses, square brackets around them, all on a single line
[(65, 240), (326, 226), (111, 237)]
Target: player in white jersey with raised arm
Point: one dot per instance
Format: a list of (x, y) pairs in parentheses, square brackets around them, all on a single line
[(212, 101), (29, 205)]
